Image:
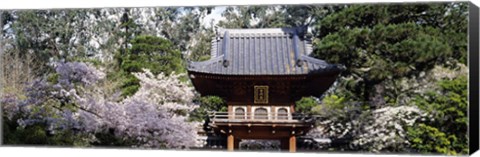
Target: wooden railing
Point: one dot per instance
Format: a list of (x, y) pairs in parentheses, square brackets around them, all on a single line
[(251, 116)]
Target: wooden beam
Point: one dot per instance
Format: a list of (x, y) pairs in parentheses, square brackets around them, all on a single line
[(230, 142), (293, 144)]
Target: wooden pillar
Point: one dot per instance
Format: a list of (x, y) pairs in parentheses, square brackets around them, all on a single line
[(249, 112), (272, 114), (293, 144), (230, 111), (230, 142)]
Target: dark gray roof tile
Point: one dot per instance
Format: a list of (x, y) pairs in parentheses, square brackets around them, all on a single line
[(272, 51)]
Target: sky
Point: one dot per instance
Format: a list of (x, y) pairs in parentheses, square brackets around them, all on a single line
[(216, 15)]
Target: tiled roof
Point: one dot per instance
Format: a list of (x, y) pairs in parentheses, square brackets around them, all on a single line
[(272, 51)]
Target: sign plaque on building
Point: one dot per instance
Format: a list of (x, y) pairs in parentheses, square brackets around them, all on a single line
[(261, 95)]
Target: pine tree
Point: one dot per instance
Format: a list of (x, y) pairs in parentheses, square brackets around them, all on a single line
[(381, 43), (149, 52)]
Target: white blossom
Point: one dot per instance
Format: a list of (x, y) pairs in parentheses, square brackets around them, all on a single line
[(387, 128), (150, 117)]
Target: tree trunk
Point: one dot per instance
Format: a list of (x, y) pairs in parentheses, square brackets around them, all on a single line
[(373, 94)]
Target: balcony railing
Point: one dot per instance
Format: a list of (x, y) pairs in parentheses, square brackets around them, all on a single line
[(251, 116)]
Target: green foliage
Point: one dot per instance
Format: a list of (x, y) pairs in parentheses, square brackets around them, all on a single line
[(154, 53), (427, 139), (330, 102), (183, 27), (207, 104), (110, 140), (275, 16), (305, 104), (130, 86), (449, 122), (378, 43), (38, 134), (149, 52), (201, 51), (335, 107), (53, 78), (47, 35)]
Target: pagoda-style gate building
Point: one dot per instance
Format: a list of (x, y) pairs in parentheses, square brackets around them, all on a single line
[(261, 73)]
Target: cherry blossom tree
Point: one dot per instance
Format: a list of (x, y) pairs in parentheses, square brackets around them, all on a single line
[(386, 128), (154, 117)]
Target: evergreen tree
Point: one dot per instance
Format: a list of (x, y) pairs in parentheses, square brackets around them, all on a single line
[(149, 52), (381, 43)]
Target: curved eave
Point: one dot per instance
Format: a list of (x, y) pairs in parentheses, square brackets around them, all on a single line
[(214, 84), (315, 66)]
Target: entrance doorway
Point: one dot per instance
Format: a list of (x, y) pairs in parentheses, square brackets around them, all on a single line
[(260, 145)]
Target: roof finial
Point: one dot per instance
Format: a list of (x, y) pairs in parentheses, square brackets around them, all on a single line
[(295, 50), (225, 49)]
